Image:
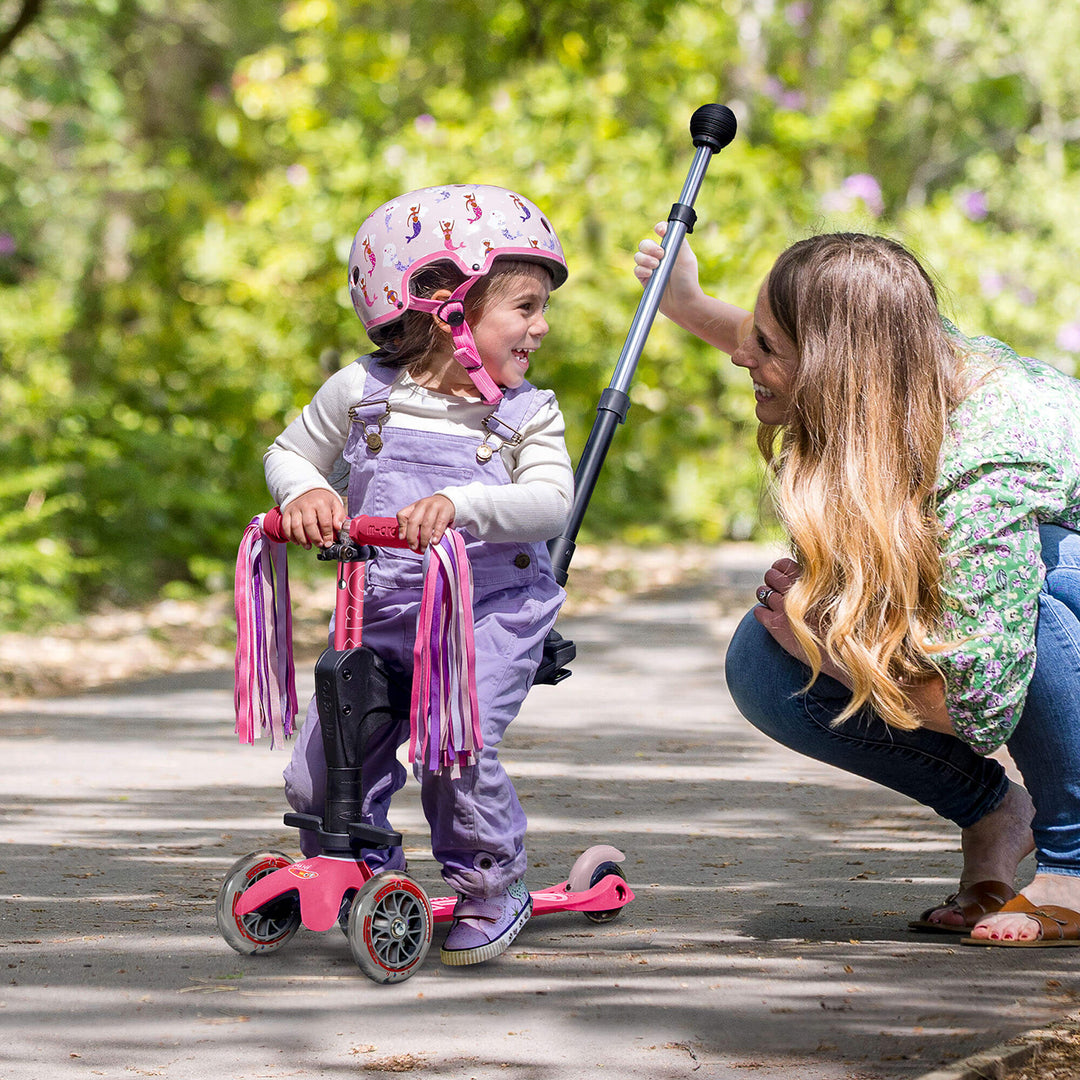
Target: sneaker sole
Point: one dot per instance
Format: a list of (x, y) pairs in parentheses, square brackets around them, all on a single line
[(463, 957)]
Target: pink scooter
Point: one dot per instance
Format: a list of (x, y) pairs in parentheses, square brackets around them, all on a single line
[(266, 897)]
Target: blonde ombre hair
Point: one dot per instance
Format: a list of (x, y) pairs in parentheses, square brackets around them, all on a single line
[(855, 465)]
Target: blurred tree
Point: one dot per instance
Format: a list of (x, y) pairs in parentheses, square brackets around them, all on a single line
[(27, 13), (179, 185)]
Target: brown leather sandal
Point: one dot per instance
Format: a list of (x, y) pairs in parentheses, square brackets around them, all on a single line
[(975, 902), (1058, 926)]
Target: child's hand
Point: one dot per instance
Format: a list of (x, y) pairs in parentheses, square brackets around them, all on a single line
[(313, 518), (424, 521), (683, 288)]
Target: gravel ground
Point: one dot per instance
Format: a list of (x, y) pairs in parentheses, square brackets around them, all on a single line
[(1056, 1059)]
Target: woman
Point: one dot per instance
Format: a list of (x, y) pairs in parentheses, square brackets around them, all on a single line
[(930, 486)]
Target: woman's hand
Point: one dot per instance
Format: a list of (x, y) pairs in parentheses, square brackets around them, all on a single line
[(424, 521), (683, 288), (927, 696), (715, 321), (770, 613), (313, 518)]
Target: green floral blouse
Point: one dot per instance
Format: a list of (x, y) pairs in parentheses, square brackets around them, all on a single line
[(1010, 462)]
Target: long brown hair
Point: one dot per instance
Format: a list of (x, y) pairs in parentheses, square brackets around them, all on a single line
[(876, 378)]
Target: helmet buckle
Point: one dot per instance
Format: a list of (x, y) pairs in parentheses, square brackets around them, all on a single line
[(455, 317)]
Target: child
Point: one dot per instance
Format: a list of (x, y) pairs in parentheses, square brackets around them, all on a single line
[(440, 429)]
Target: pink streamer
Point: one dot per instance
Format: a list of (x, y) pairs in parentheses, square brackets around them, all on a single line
[(445, 713), (265, 675)]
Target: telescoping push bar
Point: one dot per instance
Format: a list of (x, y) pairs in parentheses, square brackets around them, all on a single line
[(712, 127)]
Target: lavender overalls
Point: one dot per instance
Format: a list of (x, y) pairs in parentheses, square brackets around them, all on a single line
[(477, 823)]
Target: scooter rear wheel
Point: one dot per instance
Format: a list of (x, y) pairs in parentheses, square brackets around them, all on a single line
[(390, 927), (592, 866), (266, 929), (604, 870)]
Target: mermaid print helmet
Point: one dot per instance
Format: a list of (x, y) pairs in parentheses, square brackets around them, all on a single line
[(468, 225)]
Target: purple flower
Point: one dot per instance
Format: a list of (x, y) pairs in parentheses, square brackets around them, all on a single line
[(864, 186), (992, 284), (297, 175), (974, 204), (1068, 337), (425, 123), (797, 13), (860, 187), (7, 244), (782, 96)]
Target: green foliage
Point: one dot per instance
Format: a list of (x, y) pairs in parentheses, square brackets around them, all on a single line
[(179, 185)]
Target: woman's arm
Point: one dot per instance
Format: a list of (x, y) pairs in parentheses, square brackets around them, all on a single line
[(716, 322)]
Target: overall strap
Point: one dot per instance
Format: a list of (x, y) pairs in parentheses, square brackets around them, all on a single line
[(511, 414), (378, 382)]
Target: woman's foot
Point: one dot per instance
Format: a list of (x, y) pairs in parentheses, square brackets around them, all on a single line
[(1058, 890), (993, 848)]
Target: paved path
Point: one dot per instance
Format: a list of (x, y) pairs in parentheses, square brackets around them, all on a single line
[(767, 939)]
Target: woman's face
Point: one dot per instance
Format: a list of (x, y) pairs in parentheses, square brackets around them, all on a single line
[(769, 357)]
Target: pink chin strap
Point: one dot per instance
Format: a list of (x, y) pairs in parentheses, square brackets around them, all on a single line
[(452, 311)]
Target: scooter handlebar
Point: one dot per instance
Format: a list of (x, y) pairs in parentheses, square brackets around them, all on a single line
[(377, 531)]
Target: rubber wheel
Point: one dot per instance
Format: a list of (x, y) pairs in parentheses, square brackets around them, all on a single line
[(268, 928), (390, 927), (606, 869)]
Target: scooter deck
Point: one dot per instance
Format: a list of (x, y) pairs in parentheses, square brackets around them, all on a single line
[(609, 894), (321, 882)]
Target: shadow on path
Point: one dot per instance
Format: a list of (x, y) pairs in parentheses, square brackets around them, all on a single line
[(769, 933)]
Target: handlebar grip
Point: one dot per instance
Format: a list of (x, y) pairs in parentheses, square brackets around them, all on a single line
[(271, 525), (378, 531)]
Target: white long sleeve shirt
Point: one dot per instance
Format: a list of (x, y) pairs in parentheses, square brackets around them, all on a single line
[(534, 507)]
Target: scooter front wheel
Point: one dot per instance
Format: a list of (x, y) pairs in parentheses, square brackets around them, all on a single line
[(266, 929), (390, 927)]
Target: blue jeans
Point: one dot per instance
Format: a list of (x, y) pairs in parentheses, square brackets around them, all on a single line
[(938, 770)]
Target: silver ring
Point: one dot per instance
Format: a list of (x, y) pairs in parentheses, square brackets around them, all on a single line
[(763, 595)]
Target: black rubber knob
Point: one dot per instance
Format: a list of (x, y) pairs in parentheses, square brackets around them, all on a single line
[(713, 126)]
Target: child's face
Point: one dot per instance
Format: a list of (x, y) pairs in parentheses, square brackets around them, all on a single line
[(512, 326)]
